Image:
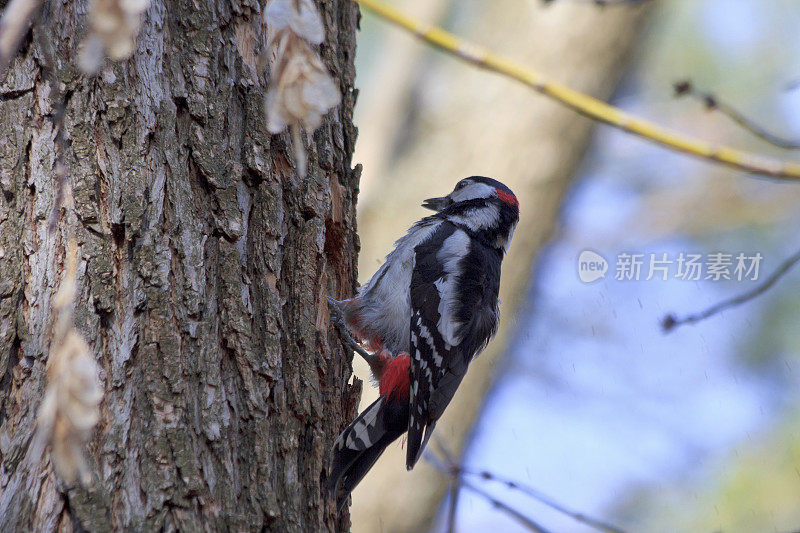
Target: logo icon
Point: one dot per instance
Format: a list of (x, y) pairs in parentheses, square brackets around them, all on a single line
[(591, 266)]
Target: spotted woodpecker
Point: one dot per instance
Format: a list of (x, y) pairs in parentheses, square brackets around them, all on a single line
[(427, 311)]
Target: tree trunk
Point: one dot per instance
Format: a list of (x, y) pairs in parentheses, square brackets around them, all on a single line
[(474, 122), (203, 271)]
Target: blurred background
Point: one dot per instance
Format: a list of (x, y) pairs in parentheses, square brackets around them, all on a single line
[(582, 395)]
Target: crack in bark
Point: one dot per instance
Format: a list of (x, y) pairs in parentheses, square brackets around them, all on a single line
[(15, 94)]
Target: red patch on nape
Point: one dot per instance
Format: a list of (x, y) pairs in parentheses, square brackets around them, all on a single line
[(507, 197), (396, 378)]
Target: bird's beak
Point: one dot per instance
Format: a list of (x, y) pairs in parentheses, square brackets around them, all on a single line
[(437, 204)]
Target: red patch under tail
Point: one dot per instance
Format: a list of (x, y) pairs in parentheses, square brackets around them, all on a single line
[(396, 379)]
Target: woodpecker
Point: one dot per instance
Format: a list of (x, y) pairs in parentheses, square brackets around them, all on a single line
[(428, 310)]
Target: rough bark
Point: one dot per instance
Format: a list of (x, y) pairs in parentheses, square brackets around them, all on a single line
[(479, 123), (203, 271)]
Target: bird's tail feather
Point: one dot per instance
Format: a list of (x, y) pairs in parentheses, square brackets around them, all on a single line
[(417, 446), (357, 449)]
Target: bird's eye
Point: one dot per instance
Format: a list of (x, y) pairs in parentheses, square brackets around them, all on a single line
[(461, 185)]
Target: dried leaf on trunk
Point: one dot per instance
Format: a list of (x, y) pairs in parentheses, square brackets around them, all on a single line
[(70, 408), (114, 26), (301, 90)]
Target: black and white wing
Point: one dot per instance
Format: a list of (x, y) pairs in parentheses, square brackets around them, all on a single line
[(450, 296)]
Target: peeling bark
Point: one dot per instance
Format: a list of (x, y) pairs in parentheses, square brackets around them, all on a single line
[(203, 271)]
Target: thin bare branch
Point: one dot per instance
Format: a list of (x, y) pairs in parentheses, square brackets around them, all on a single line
[(546, 500), (456, 471), (449, 467), (13, 27), (713, 103), (516, 515), (670, 322), (584, 104), (453, 470), (452, 508)]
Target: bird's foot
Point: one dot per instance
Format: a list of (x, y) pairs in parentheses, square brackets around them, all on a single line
[(337, 319)]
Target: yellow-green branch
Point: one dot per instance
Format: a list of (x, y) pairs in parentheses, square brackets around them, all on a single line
[(584, 104)]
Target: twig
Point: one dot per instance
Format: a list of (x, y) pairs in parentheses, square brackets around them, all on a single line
[(518, 516), (457, 472), (450, 468), (713, 103), (448, 456), (13, 27), (546, 500), (455, 487), (584, 104), (669, 322), (455, 491)]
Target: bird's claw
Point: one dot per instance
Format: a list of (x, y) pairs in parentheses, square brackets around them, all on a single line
[(337, 319), (333, 309)]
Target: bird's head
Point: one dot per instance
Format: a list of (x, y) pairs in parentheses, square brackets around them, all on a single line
[(483, 205), (475, 188)]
